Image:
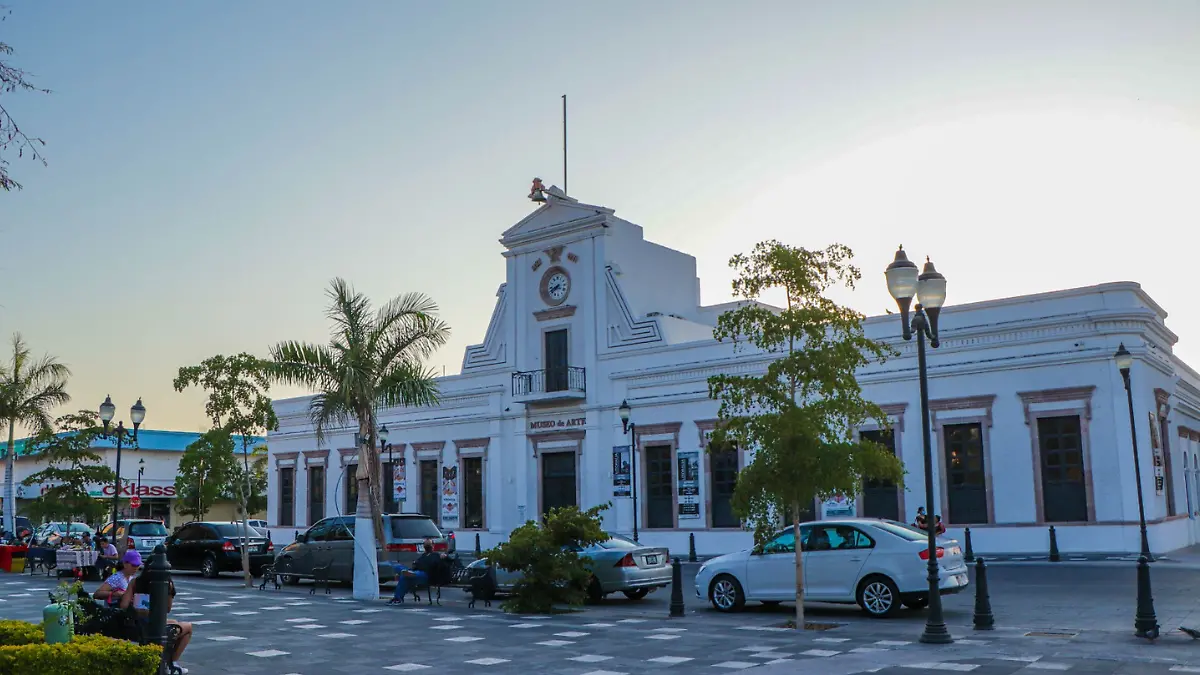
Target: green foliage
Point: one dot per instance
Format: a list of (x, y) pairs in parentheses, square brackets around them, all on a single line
[(72, 466), (802, 414), (12, 137), (256, 501), (22, 651), (373, 358), (204, 471), (552, 573)]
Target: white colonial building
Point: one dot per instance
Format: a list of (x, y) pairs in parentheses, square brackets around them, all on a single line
[(1030, 420)]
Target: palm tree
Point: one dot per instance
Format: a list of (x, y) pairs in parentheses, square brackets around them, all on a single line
[(373, 358), (29, 390)]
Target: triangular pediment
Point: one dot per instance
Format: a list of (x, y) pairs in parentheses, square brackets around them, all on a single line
[(560, 212)]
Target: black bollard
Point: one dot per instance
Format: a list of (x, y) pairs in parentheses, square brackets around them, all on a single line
[(676, 589), (969, 555), (1054, 557), (158, 574), (691, 547), (983, 604), (478, 551), (1145, 623)]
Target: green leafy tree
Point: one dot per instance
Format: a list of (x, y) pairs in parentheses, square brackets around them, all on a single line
[(238, 403), (802, 414), (29, 389), (72, 467), (203, 474), (256, 501), (551, 571), (12, 137), (373, 358)]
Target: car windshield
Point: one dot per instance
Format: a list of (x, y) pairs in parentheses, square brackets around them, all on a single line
[(618, 542), (414, 528), (901, 530), (234, 530), (147, 530)]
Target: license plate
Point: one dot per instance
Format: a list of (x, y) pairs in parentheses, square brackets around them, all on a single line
[(651, 560), (151, 543)]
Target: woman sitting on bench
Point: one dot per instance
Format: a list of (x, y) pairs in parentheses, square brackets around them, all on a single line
[(137, 595)]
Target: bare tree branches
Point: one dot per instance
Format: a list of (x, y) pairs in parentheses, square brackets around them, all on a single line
[(12, 137)]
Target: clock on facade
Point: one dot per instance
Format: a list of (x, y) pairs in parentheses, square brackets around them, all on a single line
[(555, 286)]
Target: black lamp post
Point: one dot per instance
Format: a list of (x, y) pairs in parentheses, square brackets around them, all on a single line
[(137, 413), (384, 446), (141, 470), (631, 429), (929, 288), (1145, 624)]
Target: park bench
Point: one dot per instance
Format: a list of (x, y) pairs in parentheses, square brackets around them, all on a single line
[(122, 624)]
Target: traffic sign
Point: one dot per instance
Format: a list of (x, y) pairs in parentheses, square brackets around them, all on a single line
[(135, 501)]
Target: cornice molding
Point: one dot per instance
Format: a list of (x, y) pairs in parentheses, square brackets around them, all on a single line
[(983, 402), (1060, 395)]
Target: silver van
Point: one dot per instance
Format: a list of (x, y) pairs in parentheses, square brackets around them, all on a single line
[(331, 542)]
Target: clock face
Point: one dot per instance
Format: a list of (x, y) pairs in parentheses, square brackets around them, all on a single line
[(556, 285)]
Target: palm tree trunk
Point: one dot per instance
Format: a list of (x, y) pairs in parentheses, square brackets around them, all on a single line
[(799, 567), (10, 500), (368, 522)]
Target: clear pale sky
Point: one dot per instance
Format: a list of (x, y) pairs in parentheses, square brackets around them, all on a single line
[(213, 165)]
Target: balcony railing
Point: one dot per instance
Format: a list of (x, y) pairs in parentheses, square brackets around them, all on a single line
[(567, 380)]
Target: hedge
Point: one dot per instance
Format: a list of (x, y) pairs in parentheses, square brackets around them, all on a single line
[(22, 652)]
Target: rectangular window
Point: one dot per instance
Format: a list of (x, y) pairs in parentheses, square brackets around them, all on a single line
[(558, 480), (316, 493), (431, 490), (390, 504), (556, 360), (722, 481), (350, 490), (287, 497), (472, 495), (881, 498), (1064, 490), (660, 488), (966, 481)]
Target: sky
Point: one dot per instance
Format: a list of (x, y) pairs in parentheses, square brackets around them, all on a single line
[(213, 165)]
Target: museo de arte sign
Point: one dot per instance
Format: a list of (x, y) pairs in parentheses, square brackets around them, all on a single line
[(557, 423)]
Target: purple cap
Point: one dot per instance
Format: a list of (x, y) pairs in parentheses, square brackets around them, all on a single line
[(132, 557)]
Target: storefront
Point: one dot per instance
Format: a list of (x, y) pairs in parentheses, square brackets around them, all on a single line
[(1030, 424)]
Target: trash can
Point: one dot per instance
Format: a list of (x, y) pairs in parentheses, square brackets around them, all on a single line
[(57, 624)]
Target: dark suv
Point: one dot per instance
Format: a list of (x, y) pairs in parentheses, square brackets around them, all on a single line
[(213, 548), (330, 542)]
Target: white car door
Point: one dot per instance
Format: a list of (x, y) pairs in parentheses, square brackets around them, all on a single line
[(771, 573), (835, 555)]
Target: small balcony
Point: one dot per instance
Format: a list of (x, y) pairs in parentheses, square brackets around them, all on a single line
[(565, 383)]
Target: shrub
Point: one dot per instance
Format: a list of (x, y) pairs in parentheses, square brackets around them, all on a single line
[(22, 651), (547, 557)]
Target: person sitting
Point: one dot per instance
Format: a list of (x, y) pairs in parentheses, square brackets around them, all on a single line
[(938, 527), (427, 570), (137, 595), (118, 582), (106, 555), (921, 522)]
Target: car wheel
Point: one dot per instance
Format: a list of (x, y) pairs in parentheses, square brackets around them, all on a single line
[(725, 594), (595, 592), (285, 566), (879, 597), (208, 568), (920, 603), (636, 594)]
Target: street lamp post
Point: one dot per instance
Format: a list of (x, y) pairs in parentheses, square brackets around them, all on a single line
[(137, 413), (1145, 623), (929, 287), (141, 470), (384, 446), (631, 429)]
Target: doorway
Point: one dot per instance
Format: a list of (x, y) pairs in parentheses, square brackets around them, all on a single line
[(558, 481), (430, 505)]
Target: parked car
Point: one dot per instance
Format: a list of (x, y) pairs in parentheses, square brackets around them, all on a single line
[(142, 535), (331, 542), (213, 548), (618, 564), (261, 526), (879, 565), (51, 534)]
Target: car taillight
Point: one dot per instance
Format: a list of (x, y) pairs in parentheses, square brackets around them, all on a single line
[(401, 548), (227, 546), (627, 561), (925, 553), (441, 546), (129, 543), (270, 546)]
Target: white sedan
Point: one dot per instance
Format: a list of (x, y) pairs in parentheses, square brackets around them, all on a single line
[(878, 564)]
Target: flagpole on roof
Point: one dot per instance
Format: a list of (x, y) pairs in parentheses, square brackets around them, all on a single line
[(564, 98)]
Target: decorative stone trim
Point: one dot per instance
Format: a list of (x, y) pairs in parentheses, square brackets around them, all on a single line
[(556, 313), (1191, 434), (426, 450), (1062, 395), (348, 456), (471, 446), (656, 429), (893, 411), (553, 436), (286, 458), (316, 457), (965, 403)]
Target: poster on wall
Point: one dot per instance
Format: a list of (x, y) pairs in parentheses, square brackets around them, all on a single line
[(399, 481), (837, 506), (620, 471), (1157, 456), (449, 496), (689, 484)]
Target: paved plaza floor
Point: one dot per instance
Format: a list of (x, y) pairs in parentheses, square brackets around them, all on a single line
[(288, 631)]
